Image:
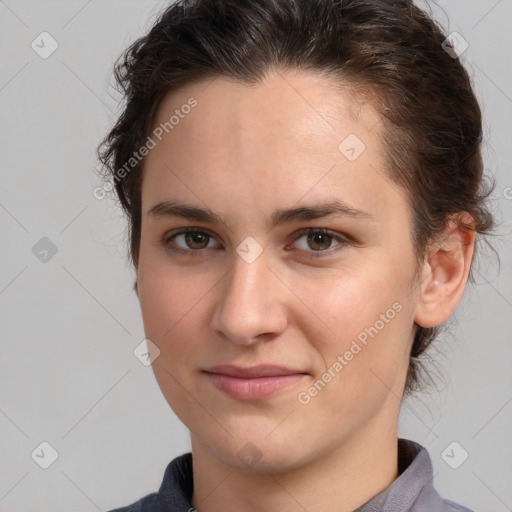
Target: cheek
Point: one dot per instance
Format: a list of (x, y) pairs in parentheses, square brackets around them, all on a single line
[(364, 363), (363, 316), (349, 301), (168, 302)]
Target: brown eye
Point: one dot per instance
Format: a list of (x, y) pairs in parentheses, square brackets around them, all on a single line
[(196, 240), (188, 241), (318, 242)]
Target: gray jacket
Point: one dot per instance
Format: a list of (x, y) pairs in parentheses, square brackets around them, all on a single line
[(412, 491)]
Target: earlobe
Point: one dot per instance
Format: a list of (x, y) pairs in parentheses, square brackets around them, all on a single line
[(445, 272)]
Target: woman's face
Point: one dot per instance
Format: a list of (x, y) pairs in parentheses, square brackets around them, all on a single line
[(255, 287)]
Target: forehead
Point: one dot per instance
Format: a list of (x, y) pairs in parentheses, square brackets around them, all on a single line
[(307, 105), (292, 136)]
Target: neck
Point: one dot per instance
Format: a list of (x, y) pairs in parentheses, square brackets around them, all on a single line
[(340, 480)]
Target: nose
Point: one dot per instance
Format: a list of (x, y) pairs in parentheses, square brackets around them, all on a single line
[(251, 304)]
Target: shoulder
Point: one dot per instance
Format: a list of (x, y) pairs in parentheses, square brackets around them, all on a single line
[(413, 491), (175, 490), (433, 502), (146, 504), (438, 504), (451, 506)]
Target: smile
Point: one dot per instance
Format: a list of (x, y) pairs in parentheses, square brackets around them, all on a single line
[(253, 388)]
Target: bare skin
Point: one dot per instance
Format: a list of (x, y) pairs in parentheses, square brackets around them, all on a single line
[(244, 152)]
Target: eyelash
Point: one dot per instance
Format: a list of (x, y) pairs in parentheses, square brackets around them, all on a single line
[(305, 231)]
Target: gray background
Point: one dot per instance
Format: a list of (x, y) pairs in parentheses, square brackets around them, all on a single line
[(68, 375)]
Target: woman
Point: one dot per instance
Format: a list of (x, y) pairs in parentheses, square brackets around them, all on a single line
[(303, 182)]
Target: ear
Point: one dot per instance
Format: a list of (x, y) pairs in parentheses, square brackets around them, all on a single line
[(135, 287), (445, 271)]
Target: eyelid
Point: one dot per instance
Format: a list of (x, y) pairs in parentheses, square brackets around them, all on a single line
[(342, 239), (166, 239)]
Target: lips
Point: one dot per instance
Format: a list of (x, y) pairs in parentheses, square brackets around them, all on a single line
[(255, 382), (253, 371)]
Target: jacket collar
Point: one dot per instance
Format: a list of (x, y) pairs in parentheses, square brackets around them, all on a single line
[(413, 487)]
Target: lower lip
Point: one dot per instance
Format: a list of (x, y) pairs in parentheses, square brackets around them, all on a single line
[(255, 388)]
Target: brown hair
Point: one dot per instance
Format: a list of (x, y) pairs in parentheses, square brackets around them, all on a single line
[(390, 49)]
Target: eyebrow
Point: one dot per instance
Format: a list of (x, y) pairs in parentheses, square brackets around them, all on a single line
[(280, 216)]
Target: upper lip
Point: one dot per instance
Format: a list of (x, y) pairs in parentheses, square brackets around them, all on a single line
[(262, 370)]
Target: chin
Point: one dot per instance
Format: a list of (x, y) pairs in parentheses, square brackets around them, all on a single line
[(254, 451)]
